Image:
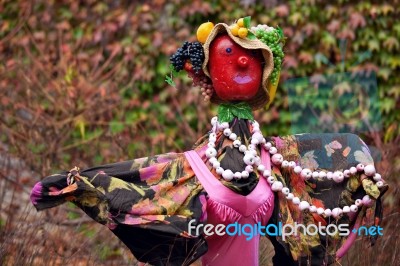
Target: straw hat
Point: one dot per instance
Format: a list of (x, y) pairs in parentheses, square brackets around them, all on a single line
[(262, 98)]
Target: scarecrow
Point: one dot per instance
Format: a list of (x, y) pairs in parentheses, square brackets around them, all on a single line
[(234, 174)]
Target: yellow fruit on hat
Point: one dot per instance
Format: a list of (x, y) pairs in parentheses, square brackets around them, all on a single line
[(242, 32), (234, 29), (203, 31), (240, 22)]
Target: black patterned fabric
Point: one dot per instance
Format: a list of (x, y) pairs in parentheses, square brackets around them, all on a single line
[(148, 202)]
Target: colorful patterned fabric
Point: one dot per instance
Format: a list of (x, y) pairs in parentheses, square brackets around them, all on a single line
[(329, 152), (148, 202)]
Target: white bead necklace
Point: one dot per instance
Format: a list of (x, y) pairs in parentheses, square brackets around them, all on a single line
[(251, 158)]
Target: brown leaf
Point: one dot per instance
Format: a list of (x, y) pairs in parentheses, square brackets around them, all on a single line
[(288, 31), (392, 44), (331, 11), (10, 63), (373, 12), (296, 18), (305, 57), (370, 67), (298, 38), (111, 26), (346, 34), (386, 9), (310, 28), (334, 26), (146, 8), (282, 11), (39, 35), (290, 61), (357, 20), (366, 69), (64, 25), (317, 78)]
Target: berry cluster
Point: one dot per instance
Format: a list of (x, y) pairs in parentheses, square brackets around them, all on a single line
[(273, 39), (189, 51), (204, 82)]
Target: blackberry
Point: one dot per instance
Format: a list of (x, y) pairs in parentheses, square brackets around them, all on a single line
[(178, 60), (189, 51), (196, 56)]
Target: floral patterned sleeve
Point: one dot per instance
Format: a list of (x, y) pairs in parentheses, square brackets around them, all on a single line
[(146, 202), (330, 152)]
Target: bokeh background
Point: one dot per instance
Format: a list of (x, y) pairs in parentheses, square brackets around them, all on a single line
[(82, 83)]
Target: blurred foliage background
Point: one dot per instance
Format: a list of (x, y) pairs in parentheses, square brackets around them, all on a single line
[(82, 83)]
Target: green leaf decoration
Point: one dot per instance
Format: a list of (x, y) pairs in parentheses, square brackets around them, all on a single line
[(173, 70), (170, 81), (251, 36), (246, 21), (170, 78), (228, 111), (280, 32), (224, 114)]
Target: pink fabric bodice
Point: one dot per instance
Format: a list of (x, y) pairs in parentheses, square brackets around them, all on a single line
[(224, 206)]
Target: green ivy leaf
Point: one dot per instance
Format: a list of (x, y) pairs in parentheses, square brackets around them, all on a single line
[(384, 73), (373, 45), (228, 111), (246, 21), (361, 57), (328, 39), (394, 61), (78, 33), (320, 59), (396, 28)]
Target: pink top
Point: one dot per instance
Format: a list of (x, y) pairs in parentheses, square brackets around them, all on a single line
[(227, 207)]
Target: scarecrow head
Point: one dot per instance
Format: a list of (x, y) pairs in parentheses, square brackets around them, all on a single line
[(234, 63)]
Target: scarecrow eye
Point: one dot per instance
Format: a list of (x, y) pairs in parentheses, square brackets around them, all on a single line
[(228, 50), (254, 53)]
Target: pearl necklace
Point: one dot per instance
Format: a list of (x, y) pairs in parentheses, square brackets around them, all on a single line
[(251, 158)]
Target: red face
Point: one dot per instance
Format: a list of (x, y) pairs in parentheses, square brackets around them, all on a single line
[(235, 72)]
